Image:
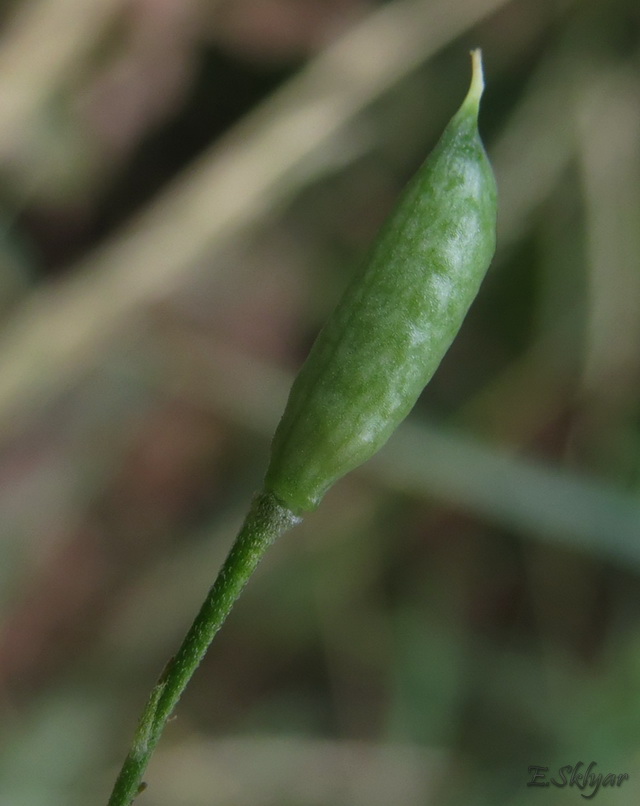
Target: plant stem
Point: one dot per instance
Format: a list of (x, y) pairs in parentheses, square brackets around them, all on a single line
[(266, 520)]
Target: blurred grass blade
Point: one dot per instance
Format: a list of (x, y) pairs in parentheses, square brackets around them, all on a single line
[(41, 46), (535, 499)]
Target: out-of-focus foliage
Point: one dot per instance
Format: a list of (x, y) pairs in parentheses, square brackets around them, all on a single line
[(185, 187)]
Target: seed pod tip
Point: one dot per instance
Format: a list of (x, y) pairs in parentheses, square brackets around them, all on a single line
[(477, 80)]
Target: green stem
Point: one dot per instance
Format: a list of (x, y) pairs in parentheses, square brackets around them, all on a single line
[(266, 520)]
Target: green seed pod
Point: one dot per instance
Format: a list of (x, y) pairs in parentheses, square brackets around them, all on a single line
[(396, 319)]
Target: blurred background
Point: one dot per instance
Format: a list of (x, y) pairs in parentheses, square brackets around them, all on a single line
[(185, 188)]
